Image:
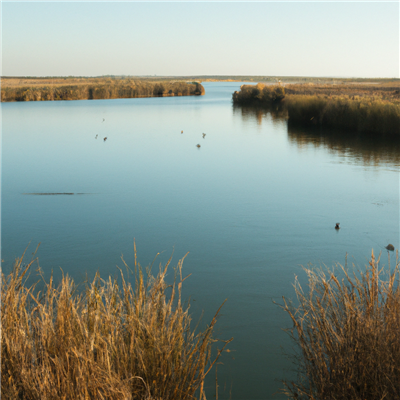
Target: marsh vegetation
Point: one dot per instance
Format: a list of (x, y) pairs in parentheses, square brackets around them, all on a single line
[(346, 326), (352, 107), (113, 339), (42, 89), (151, 180)]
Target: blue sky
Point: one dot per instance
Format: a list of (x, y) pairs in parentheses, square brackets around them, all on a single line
[(343, 39)]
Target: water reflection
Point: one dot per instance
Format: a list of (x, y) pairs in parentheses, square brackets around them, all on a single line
[(249, 113), (356, 148)]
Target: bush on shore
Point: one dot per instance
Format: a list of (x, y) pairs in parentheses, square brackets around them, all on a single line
[(110, 342), (347, 332)]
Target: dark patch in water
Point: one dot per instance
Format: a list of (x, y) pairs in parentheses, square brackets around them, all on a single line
[(53, 194)]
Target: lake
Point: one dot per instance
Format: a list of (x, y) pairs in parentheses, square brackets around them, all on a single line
[(252, 205)]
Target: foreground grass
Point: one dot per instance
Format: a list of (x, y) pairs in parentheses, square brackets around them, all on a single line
[(39, 89), (360, 108), (348, 335), (111, 342)]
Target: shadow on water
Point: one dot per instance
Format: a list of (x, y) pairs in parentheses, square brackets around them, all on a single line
[(257, 112), (359, 148)]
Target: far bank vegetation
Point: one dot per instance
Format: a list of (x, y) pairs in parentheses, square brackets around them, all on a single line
[(361, 108), (45, 89)]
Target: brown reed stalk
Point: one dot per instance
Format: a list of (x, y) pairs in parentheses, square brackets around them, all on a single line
[(347, 332), (94, 88), (357, 108), (109, 341)]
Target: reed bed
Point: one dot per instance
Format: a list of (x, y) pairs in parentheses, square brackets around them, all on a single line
[(353, 114), (259, 94), (387, 91), (47, 89), (351, 107), (109, 341), (347, 332)]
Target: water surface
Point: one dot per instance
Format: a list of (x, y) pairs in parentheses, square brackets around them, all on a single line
[(256, 201)]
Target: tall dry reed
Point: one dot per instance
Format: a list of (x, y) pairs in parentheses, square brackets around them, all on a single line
[(343, 112), (259, 94), (109, 341), (358, 108), (94, 88), (348, 334)]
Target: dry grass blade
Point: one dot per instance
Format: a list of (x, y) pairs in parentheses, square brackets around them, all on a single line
[(45, 89), (111, 341), (359, 108), (347, 332)]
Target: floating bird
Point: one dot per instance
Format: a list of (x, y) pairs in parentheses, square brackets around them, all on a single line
[(105, 138), (337, 225), (204, 135), (181, 131), (390, 247), (103, 119), (198, 146), (96, 136)]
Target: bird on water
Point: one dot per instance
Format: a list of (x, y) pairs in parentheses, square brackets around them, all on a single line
[(105, 138), (96, 136), (198, 146), (390, 247), (337, 225)]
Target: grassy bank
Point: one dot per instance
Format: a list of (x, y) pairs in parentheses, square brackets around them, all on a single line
[(109, 341), (42, 89), (346, 328), (353, 107)]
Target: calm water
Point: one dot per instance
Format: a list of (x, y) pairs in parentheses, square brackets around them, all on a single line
[(252, 205)]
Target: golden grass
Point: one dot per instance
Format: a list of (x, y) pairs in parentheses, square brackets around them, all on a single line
[(42, 89), (356, 114), (259, 94), (389, 91), (360, 108), (111, 341), (347, 331)]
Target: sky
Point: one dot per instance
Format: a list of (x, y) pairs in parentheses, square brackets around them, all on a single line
[(339, 39)]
